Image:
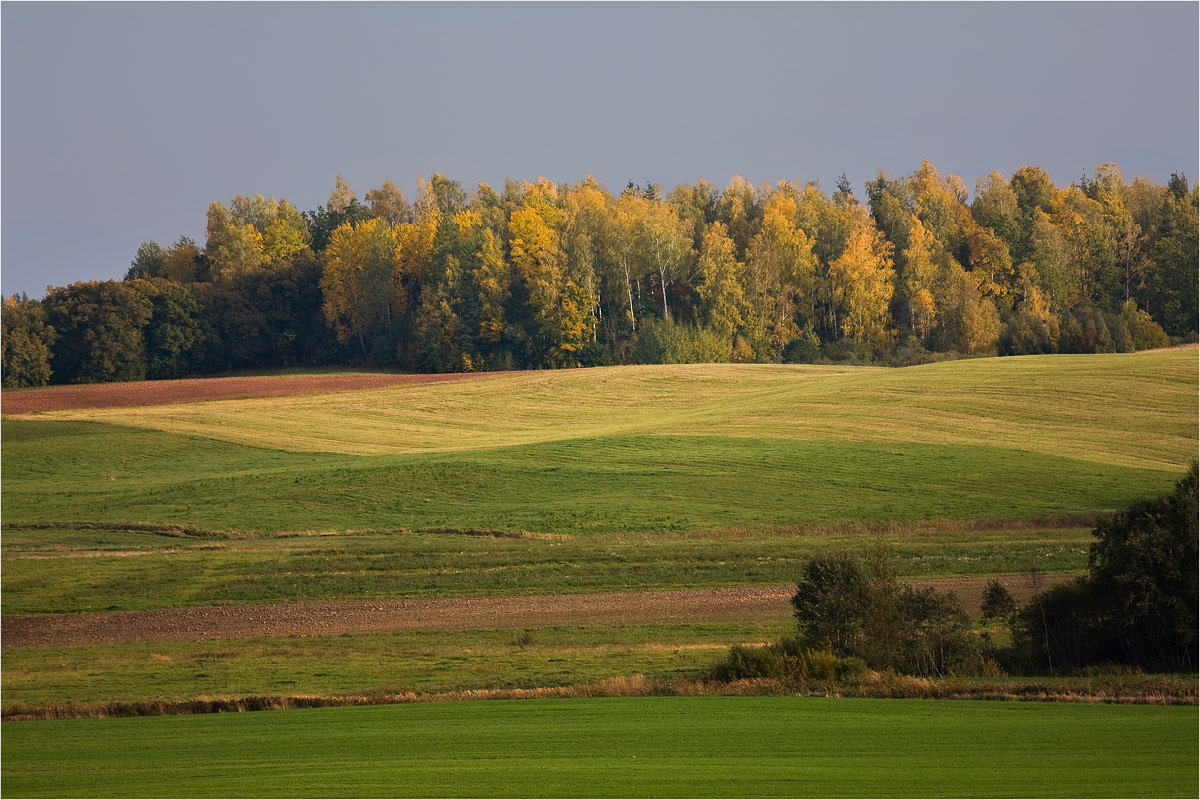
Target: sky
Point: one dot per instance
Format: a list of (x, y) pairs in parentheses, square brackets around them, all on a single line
[(120, 123)]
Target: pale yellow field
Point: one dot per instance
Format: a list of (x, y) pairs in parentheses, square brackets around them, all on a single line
[(1129, 409)]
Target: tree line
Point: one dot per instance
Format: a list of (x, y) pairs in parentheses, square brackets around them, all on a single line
[(545, 275)]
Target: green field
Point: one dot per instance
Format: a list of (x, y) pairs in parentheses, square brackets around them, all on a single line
[(56, 570), (675, 448), (602, 480), (622, 747), (369, 664)]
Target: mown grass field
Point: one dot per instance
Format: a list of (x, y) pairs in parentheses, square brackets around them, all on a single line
[(681, 448), (623, 747)]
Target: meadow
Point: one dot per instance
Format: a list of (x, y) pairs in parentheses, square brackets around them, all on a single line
[(72, 570), (621, 747), (582, 481), (674, 448)]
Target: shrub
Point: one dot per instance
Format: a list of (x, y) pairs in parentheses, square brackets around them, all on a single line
[(804, 349), (1143, 570), (748, 662), (862, 611), (787, 658), (595, 354), (664, 342), (998, 602)]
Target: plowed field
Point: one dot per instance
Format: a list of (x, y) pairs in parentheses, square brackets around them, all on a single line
[(462, 613), (195, 390)]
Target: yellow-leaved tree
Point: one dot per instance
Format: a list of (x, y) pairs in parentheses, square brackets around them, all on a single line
[(285, 235), (359, 281), (861, 285), (232, 247), (918, 278), (722, 299), (560, 306), (780, 276), (493, 277)]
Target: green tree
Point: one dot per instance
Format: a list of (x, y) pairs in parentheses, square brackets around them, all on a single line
[(1142, 567), (1171, 291), (99, 332), (147, 263), (174, 332), (25, 340)]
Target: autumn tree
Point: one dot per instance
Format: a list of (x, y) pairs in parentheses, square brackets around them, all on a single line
[(232, 247), (285, 234), (183, 262), (493, 277), (861, 285), (358, 281), (917, 279), (388, 203), (780, 278), (722, 298), (666, 245), (560, 306)]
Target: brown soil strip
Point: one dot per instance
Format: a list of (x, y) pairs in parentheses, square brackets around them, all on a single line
[(201, 623), (195, 390)]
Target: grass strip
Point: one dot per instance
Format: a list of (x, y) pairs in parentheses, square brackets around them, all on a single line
[(680, 746)]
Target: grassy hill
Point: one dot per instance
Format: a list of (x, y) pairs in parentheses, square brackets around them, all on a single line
[(686, 447)]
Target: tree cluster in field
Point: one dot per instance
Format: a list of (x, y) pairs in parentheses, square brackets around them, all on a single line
[(545, 275), (1137, 607)]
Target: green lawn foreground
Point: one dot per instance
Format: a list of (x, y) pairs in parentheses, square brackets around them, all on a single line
[(624, 747)]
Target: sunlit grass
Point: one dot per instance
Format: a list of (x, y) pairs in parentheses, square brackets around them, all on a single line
[(1125, 409)]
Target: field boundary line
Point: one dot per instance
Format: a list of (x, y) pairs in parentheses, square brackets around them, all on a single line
[(1150, 690)]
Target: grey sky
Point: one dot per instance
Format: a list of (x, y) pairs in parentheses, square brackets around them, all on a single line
[(121, 122)]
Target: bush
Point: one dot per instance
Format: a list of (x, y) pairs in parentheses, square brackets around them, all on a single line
[(804, 349), (1143, 570), (664, 342), (748, 662), (595, 354), (787, 658), (1144, 332), (862, 611), (1137, 605), (998, 602)]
